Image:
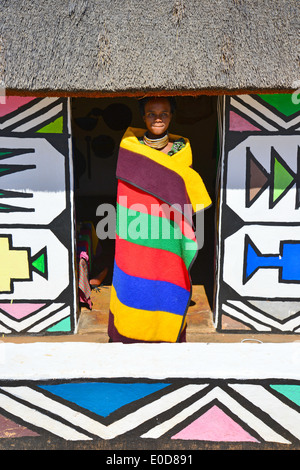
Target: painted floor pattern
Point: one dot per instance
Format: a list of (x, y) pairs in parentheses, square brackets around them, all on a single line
[(251, 396)]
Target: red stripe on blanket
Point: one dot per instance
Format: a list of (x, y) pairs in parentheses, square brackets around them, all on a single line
[(136, 199), (151, 263), (153, 177)]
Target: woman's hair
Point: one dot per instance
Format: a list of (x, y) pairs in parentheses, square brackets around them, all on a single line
[(143, 101)]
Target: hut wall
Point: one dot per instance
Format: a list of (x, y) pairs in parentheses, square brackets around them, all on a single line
[(259, 224), (36, 217)]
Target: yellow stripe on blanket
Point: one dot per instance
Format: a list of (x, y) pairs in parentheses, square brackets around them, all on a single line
[(180, 163), (149, 329)]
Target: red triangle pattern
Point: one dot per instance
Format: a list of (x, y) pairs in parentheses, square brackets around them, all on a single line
[(10, 429), (238, 123)]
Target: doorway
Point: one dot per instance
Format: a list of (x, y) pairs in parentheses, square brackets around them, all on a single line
[(98, 125)]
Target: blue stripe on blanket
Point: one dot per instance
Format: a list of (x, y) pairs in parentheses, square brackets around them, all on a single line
[(145, 294)]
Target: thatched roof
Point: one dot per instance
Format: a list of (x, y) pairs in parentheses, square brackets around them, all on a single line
[(142, 45)]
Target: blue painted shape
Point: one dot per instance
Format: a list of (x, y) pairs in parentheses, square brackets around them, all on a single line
[(288, 261), (102, 398), (291, 261), (255, 260)]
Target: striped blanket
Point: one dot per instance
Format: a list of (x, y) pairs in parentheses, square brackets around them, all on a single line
[(155, 241)]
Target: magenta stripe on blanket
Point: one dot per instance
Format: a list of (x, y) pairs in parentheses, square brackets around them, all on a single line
[(153, 178)]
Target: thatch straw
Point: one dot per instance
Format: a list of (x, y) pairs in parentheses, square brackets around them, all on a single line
[(144, 45)]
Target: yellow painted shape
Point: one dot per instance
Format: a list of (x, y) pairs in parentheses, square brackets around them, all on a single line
[(14, 265), (144, 325)]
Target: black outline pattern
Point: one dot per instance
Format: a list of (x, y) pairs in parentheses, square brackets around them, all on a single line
[(62, 226), (225, 386), (231, 140)]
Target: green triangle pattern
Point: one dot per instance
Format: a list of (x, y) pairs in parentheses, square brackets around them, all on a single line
[(63, 325), (4, 169), (5, 153), (55, 127), (292, 392), (282, 102), (40, 264), (282, 179)]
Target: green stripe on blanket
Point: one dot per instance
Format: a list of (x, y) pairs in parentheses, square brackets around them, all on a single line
[(154, 232)]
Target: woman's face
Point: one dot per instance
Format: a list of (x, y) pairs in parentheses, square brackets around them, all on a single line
[(157, 116)]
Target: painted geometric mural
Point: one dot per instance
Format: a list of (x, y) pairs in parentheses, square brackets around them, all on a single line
[(259, 223), (211, 411), (36, 216), (91, 395)]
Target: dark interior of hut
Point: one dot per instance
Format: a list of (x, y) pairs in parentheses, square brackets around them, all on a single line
[(98, 125)]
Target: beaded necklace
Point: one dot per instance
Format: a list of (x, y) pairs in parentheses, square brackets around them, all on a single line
[(177, 145), (157, 143)]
